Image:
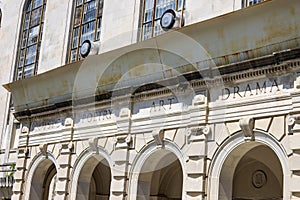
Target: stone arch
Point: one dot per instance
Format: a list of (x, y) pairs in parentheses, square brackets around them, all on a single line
[(159, 162), (229, 155), (41, 177), (87, 173)]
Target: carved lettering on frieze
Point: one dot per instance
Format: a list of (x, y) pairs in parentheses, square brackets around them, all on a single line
[(162, 104), (46, 125), (250, 89), (96, 116)]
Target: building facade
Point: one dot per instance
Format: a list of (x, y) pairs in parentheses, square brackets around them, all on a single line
[(150, 99)]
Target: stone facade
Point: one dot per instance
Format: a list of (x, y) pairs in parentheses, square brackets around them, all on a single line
[(209, 111)]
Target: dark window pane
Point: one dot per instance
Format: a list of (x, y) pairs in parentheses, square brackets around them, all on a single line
[(100, 9), (88, 31), (28, 6), (28, 70), (98, 28), (30, 54), (33, 35), (89, 11), (37, 3), (77, 16), (75, 38), (79, 2), (35, 17), (73, 55)]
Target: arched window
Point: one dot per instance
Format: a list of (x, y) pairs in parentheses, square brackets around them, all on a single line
[(152, 12), (30, 38), (86, 25)]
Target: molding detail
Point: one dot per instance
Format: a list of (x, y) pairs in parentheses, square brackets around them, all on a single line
[(291, 120), (247, 125), (23, 153), (66, 148), (69, 122), (123, 142), (198, 100), (25, 129), (93, 143), (198, 134), (43, 148), (158, 136), (124, 112)]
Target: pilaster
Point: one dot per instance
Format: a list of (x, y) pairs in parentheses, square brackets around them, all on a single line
[(63, 171), (19, 176), (196, 162)]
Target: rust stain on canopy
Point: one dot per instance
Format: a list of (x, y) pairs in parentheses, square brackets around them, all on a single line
[(245, 34)]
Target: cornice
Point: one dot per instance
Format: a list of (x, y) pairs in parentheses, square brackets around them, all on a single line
[(110, 98)]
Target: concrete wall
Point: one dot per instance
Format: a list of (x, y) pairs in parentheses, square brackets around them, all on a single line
[(119, 28)]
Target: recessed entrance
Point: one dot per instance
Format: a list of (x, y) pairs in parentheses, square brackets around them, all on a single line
[(161, 177), (94, 180), (43, 181), (251, 171)]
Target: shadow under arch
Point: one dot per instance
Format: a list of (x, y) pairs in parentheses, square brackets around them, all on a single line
[(229, 158), (153, 170), (91, 167), (41, 177)]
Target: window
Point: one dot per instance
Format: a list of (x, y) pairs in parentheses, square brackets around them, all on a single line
[(153, 10), (246, 3), (30, 38), (86, 25)]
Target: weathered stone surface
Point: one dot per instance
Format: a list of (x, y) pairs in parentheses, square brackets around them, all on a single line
[(262, 124), (196, 149), (221, 132), (232, 127), (195, 166), (277, 128), (194, 184)]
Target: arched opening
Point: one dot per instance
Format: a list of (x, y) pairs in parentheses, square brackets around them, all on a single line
[(94, 180), (251, 171), (43, 181), (161, 177)]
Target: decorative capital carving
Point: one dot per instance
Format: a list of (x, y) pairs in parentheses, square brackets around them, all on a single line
[(198, 133), (247, 126), (124, 142), (291, 120), (66, 148), (158, 136)]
